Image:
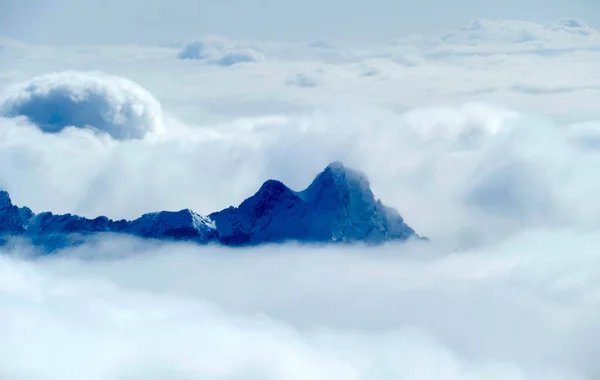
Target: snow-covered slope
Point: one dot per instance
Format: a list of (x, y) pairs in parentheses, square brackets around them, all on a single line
[(338, 206), (181, 225)]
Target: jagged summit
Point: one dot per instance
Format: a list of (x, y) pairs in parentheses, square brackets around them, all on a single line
[(338, 206), (339, 176), (12, 218), (4, 197)]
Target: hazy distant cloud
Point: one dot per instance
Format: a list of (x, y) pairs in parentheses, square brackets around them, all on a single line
[(571, 26), (370, 72), (303, 80), (322, 45), (219, 51), (381, 67), (542, 90), (585, 136), (194, 50), (509, 36), (512, 190), (233, 57), (6, 42), (109, 104), (558, 31)]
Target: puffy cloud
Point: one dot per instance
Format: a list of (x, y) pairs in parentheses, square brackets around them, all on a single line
[(193, 50), (219, 51), (108, 104), (233, 57)]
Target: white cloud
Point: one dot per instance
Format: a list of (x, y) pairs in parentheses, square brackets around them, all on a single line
[(105, 103), (219, 51)]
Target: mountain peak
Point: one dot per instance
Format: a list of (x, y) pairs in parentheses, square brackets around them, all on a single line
[(338, 206), (11, 217), (338, 180), (5, 199), (337, 169), (336, 166), (273, 187)]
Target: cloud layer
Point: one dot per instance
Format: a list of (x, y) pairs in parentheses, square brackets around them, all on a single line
[(124, 308)]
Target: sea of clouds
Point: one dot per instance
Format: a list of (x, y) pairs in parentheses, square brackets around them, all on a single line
[(121, 308), (485, 139)]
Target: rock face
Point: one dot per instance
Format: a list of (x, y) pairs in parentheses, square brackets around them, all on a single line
[(12, 218), (338, 206)]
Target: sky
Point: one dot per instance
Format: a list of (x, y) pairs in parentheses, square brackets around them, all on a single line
[(157, 21), (477, 121)]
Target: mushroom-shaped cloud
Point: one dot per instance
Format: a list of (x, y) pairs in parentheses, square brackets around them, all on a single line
[(103, 103)]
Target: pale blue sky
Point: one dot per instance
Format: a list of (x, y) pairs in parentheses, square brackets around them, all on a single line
[(156, 21)]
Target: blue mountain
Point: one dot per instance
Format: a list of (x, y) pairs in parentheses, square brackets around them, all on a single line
[(338, 206)]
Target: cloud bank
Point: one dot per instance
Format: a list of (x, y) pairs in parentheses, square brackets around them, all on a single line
[(462, 175), (108, 104)]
